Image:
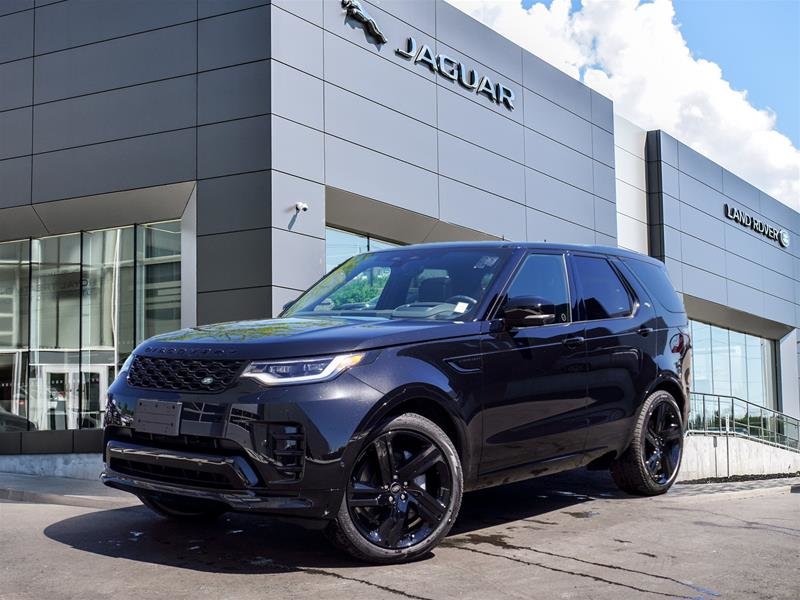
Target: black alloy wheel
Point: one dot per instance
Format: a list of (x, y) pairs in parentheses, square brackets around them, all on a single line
[(403, 493), (663, 442), (650, 464)]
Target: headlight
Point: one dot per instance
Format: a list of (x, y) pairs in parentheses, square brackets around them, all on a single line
[(304, 370)]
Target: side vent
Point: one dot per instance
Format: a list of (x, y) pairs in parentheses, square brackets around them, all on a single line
[(283, 445)]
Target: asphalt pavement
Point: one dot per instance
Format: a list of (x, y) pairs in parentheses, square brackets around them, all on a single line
[(564, 536)]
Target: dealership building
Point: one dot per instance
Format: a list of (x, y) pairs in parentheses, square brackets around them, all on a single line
[(166, 164)]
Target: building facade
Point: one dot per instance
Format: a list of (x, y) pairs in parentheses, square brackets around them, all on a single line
[(156, 157)]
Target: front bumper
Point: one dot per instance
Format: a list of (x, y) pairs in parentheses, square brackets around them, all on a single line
[(282, 451)]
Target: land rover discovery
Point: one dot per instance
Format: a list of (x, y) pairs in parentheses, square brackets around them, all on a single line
[(404, 378)]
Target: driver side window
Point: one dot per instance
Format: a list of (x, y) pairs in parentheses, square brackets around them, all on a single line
[(542, 280)]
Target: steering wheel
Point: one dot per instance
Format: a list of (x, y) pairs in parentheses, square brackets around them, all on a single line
[(461, 298)]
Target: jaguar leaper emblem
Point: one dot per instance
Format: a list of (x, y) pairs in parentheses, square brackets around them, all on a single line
[(356, 12)]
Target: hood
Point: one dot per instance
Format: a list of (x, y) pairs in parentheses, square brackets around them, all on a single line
[(296, 337)]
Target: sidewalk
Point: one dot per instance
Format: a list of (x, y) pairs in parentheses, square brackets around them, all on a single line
[(62, 490)]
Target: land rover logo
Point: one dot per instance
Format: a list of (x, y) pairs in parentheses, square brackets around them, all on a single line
[(207, 380), (456, 71), (746, 220)]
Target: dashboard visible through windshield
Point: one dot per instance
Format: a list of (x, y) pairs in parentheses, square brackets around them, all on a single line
[(418, 283)]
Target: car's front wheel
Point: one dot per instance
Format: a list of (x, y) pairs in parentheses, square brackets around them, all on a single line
[(182, 509), (403, 494), (650, 464)]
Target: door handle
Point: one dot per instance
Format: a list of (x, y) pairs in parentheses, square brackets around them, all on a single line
[(645, 331), (574, 342)]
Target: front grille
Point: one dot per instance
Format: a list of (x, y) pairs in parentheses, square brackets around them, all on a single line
[(203, 412), (192, 477), (183, 374)]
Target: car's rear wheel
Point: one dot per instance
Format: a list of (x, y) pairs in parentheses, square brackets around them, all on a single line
[(403, 494), (182, 509), (650, 464)]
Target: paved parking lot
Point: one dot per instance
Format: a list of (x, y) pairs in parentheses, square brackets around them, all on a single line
[(567, 536)]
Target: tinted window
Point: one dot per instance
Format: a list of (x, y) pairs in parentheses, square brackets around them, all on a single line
[(655, 279), (544, 277), (604, 294)]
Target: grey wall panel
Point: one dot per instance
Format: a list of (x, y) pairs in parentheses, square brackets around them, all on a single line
[(475, 39), (15, 182), (12, 6), (702, 284), (297, 260), (233, 147), (233, 38), (233, 203), (233, 92), (469, 207), (630, 169), (631, 201), (481, 168), (15, 133), (669, 149), (547, 81), (739, 190), (233, 305), (280, 297), (557, 198), (602, 111), (559, 124), (310, 10), (131, 60), (374, 126), (470, 121), (673, 247), (287, 191), (234, 260), (605, 217), (547, 228), (209, 8), (602, 239), (778, 310), (369, 75), (481, 100), (559, 161), (367, 173), (16, 36), (738, 241), (778, 212), (745, 298), (670, 181), (779, 285), (671, 211), (702, 225), (112, 166), (604, 182), (304, 103), (701, 254), (421, 15), (127, 112), (16, 84), (297, 150), (777, 259), (296, 42), (602, 145), (699, 167), (77, 22), (700, 195), (744, 271)]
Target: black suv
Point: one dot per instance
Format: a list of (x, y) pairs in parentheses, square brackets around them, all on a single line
[(404, 378)]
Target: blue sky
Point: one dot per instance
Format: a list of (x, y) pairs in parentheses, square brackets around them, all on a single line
[(755, 42)]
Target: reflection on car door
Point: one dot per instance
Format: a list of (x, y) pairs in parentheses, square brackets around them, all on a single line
[(534, 392), (620, 343)]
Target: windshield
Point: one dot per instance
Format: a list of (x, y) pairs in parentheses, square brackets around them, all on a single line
[(417, 283)]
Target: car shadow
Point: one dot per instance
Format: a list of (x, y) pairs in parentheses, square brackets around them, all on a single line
[(242, 543)]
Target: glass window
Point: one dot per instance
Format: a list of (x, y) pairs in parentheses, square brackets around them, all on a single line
[(341, 245), (657, 282), (419, 283), (731, 363), (604, 294), (543, 278), (86, 299)]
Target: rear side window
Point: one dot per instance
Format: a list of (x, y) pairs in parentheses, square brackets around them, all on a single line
[(603, 293), (656, 280)]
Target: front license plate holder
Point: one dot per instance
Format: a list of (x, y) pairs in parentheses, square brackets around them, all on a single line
[(157, 416)]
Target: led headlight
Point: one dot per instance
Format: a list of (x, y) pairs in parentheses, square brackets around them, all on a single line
[(303, 370)]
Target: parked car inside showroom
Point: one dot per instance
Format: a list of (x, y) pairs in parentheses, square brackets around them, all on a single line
[(404, 378)]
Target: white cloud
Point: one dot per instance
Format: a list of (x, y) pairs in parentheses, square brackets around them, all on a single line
[(635, 54)]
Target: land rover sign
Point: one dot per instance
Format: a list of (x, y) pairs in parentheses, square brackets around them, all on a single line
[(746, 220)]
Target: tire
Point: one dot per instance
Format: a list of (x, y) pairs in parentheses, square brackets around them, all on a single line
[(651, 462), (403, 493), (183, 509)]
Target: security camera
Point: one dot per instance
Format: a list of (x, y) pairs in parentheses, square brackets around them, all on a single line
[(301, 207)]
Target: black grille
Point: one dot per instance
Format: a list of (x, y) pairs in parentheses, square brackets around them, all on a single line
[(192, 477), (203, 412), (183, 375)]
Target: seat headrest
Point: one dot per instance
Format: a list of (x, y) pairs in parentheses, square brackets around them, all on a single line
[(434, 289)]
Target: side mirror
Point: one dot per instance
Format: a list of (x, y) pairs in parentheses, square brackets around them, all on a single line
[(528, 311)]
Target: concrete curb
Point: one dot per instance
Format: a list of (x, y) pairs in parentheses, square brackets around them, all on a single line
[(108, 503)]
